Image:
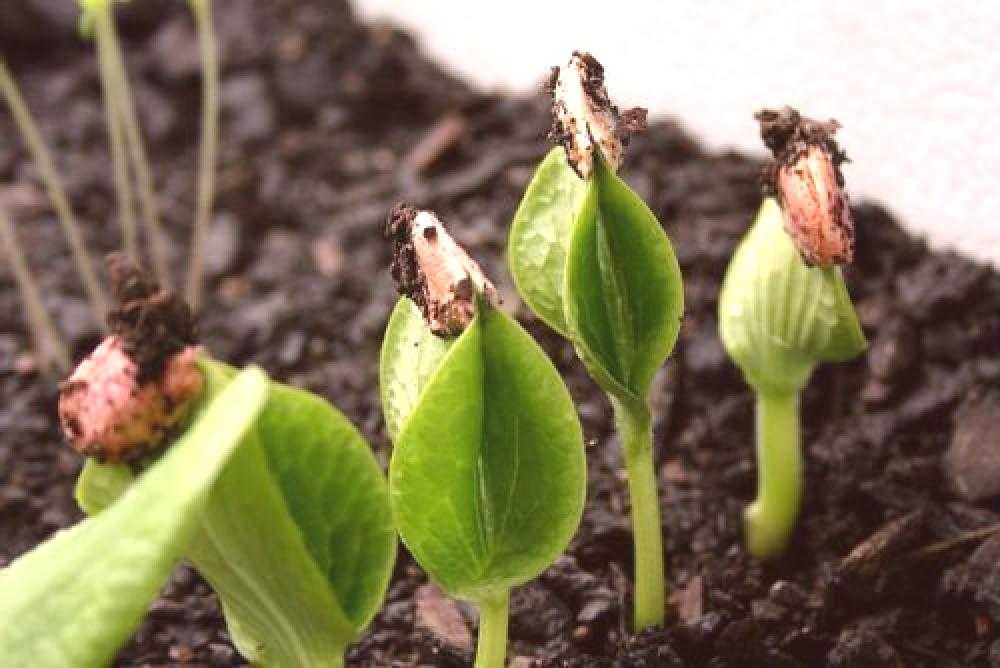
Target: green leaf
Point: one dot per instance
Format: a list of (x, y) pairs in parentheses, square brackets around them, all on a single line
[(487, 480), (623, 294), (76, 598), (337, 494), (539, 237), (410, 355), (296, 537), (778, 317)]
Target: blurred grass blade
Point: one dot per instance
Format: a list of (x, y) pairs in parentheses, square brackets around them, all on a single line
[(101, 17), (53, 185), (48, 344), (208, 149), (136, 151)]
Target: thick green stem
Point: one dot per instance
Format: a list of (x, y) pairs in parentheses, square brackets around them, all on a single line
[(770, 519), (491, 651), (53, 185), (209, 145), (636, 432)]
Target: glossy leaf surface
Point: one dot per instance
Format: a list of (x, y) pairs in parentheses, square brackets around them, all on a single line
[(623, 294), (487, 480), (76, 598), (540, 234)]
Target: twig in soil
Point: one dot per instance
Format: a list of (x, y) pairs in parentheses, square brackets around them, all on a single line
[(889, 541), (939, 548), (53, 185), (208, 149), (49, 346), (441, 136)]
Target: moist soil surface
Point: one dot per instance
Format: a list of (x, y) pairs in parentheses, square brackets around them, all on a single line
[(326, 125)]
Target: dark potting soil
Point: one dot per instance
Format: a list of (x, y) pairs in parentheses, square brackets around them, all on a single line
[(326, 125)]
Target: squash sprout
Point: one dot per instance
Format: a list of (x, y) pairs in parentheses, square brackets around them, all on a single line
[(488, 475), (591, 259), (784, 308)]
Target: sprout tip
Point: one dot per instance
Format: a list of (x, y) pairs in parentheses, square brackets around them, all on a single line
[(127, 396), (807, 179), (430, 268), (584, 118)]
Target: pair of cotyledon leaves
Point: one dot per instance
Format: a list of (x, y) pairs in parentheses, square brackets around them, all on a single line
[(592, 261), (270, 492), (779, 317), (488, 476)]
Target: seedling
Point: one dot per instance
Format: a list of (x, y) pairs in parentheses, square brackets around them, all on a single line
[(784, 308), (488, 475), (592, 261), (268, 490)]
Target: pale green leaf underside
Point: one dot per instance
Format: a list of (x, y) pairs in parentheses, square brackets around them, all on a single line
[(778, 317), (410, 355), (76, 598), (296, 537), (539, 237), (487, 480), (623, 294)]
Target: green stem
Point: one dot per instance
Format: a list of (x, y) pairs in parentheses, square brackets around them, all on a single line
[(770, 519), (51, 349), (132, 134), (491, 651), (116, 132), (53, 184), (636, 432), (209, 145)]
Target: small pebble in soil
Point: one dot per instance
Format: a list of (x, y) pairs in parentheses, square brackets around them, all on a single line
[(972, 461)]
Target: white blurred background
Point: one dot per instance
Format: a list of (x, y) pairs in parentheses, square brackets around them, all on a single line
[(915, 84)]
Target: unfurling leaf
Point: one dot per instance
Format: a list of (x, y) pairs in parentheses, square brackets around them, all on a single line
[(296, 537), (74, 600), (623, 294), (778, 318)]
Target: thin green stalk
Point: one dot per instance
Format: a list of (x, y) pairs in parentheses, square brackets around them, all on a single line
[(136, 150), (635, 429), (494, 611), (49, 345), (209, 142), (116, 134), (53, 185), (770, 520)]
